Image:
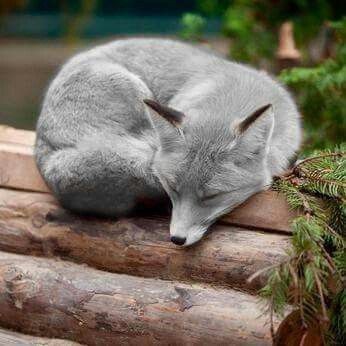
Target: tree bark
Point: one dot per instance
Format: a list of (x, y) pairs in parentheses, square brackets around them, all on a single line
[(9, 338), (34, 224), (59, 299)]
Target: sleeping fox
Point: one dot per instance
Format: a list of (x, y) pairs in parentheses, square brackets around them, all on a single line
[(140, 119)]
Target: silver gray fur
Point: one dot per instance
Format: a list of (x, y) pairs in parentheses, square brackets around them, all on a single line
[(102, 150)]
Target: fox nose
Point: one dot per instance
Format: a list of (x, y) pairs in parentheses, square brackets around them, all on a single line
[(178, 240)]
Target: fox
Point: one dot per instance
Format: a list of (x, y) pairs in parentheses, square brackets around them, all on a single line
[(142, 120)]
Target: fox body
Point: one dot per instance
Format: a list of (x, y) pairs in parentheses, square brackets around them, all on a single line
[(139, 119)]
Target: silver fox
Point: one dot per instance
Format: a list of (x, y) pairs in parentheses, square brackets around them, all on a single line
[(139, 119)]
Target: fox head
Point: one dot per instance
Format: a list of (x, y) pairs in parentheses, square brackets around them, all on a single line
[(209, 170)]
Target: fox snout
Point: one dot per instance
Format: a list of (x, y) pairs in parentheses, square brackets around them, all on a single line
[(186, 236), (178, 240)]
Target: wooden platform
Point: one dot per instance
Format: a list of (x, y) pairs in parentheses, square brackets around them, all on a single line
[(122, 282)]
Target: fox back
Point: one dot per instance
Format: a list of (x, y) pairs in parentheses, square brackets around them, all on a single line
[(141, 119)]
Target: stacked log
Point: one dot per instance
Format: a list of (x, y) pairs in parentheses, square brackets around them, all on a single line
[(34, 224), (122, 282), (93, 307)]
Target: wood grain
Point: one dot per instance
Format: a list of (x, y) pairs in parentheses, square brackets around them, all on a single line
[(17, 165), (34, 224), (53, 298)]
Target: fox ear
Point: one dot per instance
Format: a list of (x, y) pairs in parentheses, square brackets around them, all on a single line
[(255, 131), (171, 137), (262, 112), (171, 115)]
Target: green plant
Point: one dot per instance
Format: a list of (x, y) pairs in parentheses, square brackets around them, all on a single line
[(312, 278), (253, 25), (321, 92), (192, 27), (252, 38)]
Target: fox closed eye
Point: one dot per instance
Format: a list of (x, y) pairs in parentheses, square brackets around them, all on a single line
[(214, 195), (218, 194)]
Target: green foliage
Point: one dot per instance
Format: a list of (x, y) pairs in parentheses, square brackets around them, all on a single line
[(212, 7), (338, 322), (321, 94), (312, 279), (252, 38), (253, 25), (192, 27)]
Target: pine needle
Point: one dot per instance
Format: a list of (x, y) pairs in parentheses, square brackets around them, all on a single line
[(312, 279)]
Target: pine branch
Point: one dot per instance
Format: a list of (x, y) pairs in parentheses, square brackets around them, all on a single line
[(311, 277), (320, 291), (319, 157)]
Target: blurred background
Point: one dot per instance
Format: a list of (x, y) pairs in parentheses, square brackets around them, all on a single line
[(301, 41)]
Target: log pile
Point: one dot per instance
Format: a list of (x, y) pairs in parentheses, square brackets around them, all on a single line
[(76, 302), (122, 282)]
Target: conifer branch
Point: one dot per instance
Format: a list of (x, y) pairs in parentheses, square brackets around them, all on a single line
[(318, 157), (311, 278)]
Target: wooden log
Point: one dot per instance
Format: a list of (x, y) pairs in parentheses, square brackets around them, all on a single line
[(58, 299), (9, 338), (34, 224), (17, 166), (266, 211)]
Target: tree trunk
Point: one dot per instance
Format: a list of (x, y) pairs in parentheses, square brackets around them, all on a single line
[(59, 299), (33, 224)]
